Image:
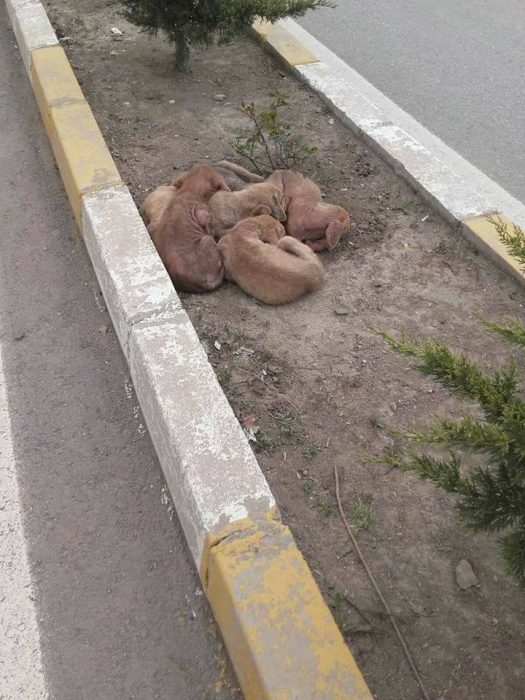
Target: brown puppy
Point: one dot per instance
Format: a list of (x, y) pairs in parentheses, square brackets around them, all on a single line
[(228, 208), (320, 225), (180, 227), (268, 265)]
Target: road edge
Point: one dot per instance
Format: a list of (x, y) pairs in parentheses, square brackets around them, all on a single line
[(456, 190), (280, 635)]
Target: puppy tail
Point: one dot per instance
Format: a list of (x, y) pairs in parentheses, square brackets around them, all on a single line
[(246, 175), (295, 247), (314, 271)]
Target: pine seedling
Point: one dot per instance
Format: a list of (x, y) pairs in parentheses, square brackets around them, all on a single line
[(491, 497), (188, 23)]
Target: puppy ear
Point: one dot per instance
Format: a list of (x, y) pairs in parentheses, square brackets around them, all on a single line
[(333, 233), (268, 233), (178, 180), (261, 210)]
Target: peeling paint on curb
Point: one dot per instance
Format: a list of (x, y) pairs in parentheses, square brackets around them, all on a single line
[(265, 598)]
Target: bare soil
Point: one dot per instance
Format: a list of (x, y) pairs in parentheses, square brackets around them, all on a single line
[(317, 382)]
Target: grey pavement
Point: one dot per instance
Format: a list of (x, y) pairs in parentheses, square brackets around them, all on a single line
[(456, 67), (120, 611)]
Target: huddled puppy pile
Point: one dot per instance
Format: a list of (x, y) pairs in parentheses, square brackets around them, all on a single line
[(223, 222)]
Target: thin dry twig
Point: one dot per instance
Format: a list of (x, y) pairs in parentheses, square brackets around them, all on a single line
[(270, 386), (381, 597)]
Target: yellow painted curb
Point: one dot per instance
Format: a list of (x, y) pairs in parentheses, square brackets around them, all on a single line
[(483, 234), (281, 637), (81, 153), (286, 46)]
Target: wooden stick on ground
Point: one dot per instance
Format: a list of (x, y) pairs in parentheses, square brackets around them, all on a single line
[(381, 597)]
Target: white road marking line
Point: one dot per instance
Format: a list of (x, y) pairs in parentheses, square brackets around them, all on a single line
[(21, 672)]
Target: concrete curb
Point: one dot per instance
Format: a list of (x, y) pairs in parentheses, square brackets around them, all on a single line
[(457, 190), (281, 637)]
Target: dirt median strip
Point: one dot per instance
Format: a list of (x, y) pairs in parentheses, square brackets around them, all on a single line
[(213, 476), (460, 195)]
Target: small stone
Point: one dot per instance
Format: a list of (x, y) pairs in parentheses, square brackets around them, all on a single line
[(465, 576), (127, 104), (66, 40), (423, 610), (217, 345), (116, 31), (341, 310), (219, 98), (331, 121), (113, 53), (171, 102)]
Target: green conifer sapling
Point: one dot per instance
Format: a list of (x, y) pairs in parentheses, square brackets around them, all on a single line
[(491, 497), (189, 23)]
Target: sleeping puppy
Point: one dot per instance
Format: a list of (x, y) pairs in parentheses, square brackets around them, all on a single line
[(267, 264), (180, 227), (228, 208), (320, 225)]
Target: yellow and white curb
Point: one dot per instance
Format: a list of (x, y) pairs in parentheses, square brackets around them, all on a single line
[(453, 187), (280, 635)]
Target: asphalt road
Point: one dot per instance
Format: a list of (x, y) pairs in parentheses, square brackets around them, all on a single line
[(456, 67), (115, 610)]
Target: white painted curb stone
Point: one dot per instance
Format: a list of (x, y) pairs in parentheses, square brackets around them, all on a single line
[(210, 469), (456, 188), (131, 275), (31, 26)]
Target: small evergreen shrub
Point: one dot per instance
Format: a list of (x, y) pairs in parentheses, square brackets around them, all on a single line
[(513, 240), (491, 497), (189, 23)]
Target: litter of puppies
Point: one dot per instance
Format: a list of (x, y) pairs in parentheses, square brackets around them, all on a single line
[(216, 222)]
